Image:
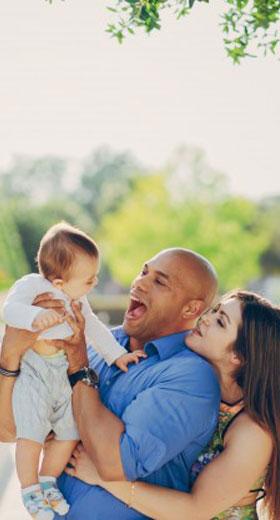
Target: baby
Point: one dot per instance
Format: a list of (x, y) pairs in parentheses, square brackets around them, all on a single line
[(68, 264)]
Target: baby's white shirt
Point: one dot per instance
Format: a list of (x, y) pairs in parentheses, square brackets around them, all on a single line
[(19, 312)]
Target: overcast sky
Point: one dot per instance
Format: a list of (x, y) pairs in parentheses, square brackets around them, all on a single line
[(66, 88)]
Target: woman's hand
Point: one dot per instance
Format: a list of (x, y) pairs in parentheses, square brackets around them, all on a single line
[(82, 467)]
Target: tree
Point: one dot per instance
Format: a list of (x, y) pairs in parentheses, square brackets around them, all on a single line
[(270, 258), (226, 231), (13, 262), (32, 222), (35, 179), (106, 179), (248, 25)]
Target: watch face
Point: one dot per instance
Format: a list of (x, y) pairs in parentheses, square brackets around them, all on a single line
[(93, 377)]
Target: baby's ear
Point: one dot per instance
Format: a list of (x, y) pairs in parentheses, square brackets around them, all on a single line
[(58, 283)]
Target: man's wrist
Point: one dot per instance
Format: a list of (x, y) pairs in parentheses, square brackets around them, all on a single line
[(86, 376), (72, 369), (10, 362)]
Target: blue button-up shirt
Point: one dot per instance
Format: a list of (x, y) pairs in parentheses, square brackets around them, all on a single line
[(169, 406)]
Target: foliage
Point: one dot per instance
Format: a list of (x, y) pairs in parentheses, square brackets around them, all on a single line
[(270, 258), (34, 221), (106, 179), (247, 24), (33, 178), (251, 25), (133, 214), (13, 263), (226, 232)]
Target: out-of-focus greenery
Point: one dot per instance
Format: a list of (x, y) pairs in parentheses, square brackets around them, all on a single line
[(225, 229), (248, 25), (133, 213)]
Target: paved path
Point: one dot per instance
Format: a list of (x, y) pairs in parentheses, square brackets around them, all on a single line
[(10, 501)]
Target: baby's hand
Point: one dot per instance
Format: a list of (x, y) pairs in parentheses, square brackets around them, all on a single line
[(46, 319), (131, 357)]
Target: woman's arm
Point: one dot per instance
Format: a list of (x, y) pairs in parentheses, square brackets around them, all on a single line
[(220, 485), (14, 345)]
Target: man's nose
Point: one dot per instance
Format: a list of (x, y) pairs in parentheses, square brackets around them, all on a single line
[(141, 282)]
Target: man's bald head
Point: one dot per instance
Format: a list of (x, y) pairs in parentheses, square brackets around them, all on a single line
[(171, 291), (195, 272)]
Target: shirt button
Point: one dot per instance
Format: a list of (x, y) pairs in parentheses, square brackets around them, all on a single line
[(107, 383)]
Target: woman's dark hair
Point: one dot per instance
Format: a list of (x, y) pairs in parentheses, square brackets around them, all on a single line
[(258, 347)]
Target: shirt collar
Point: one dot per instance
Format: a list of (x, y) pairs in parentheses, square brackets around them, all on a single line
[(165, 347), (168, 346)]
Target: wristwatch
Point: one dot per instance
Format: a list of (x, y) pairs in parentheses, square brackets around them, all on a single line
[(86, 375)]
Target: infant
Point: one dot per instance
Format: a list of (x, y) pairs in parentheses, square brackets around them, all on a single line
[(68, 263)]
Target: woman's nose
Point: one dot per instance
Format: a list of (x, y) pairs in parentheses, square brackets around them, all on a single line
[(206, 320)]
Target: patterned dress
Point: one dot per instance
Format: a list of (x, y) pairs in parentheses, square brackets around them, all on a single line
[(226, 415)]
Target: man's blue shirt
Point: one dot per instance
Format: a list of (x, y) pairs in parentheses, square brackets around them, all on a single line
[(169, 405)]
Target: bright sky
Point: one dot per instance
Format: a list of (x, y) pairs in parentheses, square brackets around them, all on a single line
[(66, 88)]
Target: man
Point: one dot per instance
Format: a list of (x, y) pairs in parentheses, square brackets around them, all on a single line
[(151, 422)]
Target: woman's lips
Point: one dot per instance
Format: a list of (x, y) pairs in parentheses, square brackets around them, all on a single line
[(197, 332)]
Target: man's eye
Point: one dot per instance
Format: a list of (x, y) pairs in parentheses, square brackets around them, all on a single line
[(159, 282)]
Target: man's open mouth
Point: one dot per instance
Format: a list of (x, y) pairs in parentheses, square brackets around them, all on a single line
[(136, 309)]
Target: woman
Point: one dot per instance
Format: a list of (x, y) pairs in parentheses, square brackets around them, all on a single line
[(241, 338)]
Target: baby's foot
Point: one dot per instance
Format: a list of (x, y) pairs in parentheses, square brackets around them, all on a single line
[(35, 503), (53, 496)]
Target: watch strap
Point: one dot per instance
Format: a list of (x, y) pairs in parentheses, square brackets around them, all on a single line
[(9, 373), (84, 375)]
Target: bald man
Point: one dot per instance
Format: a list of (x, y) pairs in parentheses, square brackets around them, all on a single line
[(151, 422)]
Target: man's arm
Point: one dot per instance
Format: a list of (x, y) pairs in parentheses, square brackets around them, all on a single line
[(100, 430), (15, 343), (143, 441)]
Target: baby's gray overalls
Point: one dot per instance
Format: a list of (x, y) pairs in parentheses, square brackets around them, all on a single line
[(42, 399)]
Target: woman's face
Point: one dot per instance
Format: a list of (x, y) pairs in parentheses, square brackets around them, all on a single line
[(216, 332)]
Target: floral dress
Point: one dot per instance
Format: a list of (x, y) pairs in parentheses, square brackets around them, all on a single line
[(226, 415)]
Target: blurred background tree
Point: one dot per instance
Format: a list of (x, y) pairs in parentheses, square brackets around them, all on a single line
[(106, 180), (133, 213), (196, 212)]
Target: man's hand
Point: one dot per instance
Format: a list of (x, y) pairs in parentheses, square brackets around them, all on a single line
[(46, 319), (47, 301), (83, 467), (75, 345), (15, 343)]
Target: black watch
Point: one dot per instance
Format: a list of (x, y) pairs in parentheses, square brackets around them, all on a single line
[(86, 375)]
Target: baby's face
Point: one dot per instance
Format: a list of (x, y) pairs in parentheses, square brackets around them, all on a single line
[(84, 276)]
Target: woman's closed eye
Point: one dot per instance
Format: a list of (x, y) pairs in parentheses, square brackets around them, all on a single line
[(219, 320)]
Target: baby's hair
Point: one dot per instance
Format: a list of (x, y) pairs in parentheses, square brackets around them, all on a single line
[(59, 248)]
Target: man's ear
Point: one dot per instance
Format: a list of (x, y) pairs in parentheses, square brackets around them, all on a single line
[(58, 283), (193, 309)]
